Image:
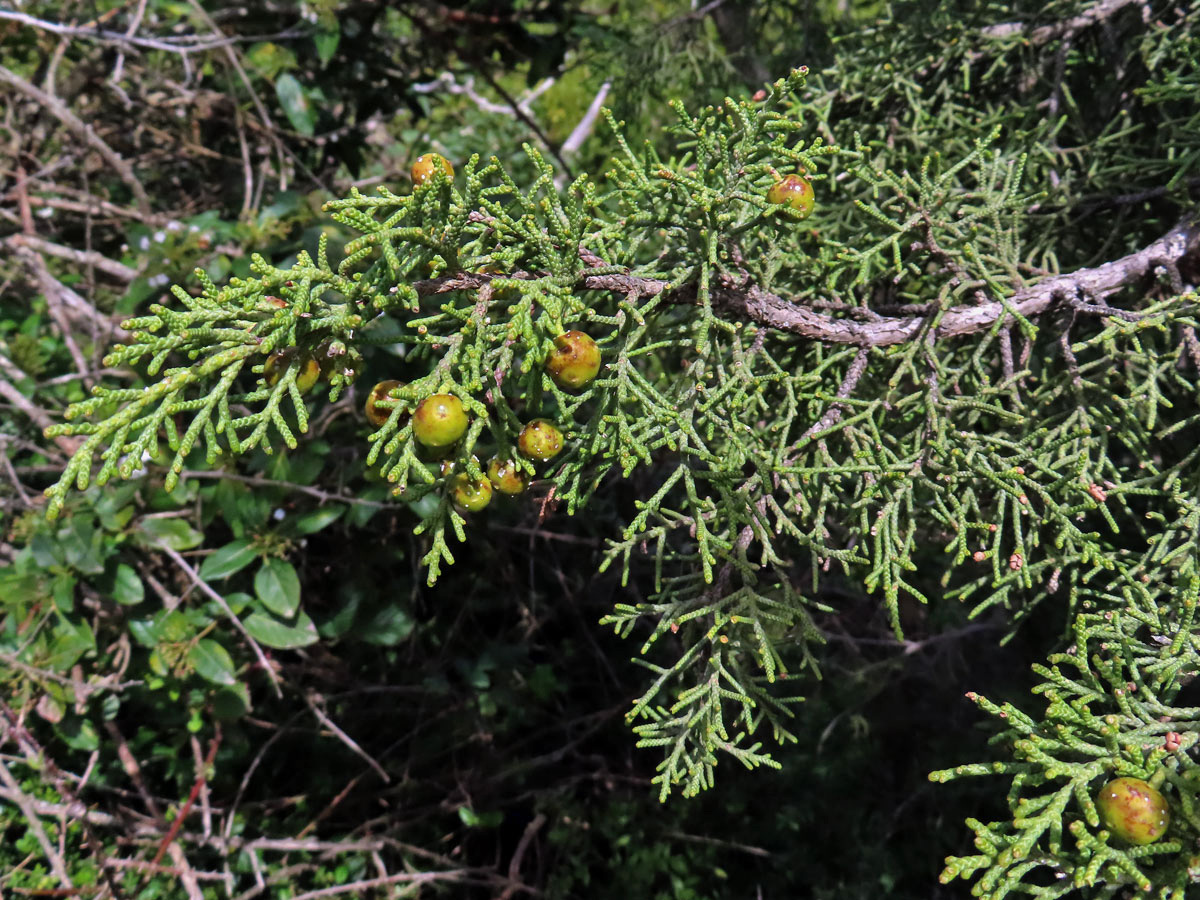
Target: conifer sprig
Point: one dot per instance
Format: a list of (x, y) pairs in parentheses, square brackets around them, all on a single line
[(833, 412), (1109, 713)]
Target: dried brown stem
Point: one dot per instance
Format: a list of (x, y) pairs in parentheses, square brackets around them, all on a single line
[(81, 130), (36, 414), (108, 266)]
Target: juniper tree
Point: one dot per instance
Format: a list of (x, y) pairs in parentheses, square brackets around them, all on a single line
[(982, 340)]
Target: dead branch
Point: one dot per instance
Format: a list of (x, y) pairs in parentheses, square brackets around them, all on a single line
[(583, 130), (81, 130), (108, 266), (1043, 34)]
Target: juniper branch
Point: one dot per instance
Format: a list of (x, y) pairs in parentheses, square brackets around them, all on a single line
[(750, 302)]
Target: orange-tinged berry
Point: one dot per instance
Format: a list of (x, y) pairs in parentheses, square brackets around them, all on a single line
[(574, 362), (427, 164), (793, 191), (376, 413), (1133, 810), (470, 493), (506, 476), (439, 420), (540, 439)]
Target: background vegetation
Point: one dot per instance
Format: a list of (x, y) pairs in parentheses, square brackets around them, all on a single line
[(389, 738)]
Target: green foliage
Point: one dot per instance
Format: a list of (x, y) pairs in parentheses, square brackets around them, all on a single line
[(966, 384), (1111, 711), (497, 331)]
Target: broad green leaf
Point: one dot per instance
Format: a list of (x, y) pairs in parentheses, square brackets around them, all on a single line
[(238, 601), (78, 734), (231, 701), (271, 632), (114, 504), (46, 552), (212, 662), (23, 588), (127, 588), (278, 587), (296, 104), (175, 533), (63, 591), (79, 541), (71, 641), (361, 513), (327, 42), (227, 560), (314, 521), (145, 632), (270, 59), (388, 627)]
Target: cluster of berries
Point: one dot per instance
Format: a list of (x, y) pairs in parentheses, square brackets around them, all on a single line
[(439, 421)]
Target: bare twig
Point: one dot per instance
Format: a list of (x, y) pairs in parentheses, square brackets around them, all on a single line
[(187, 874), (36, 414), (255, 480), (143, 866), (72, 304), (514, 866), (135, 22), (263, 116), (133, 769), (525, 117), (717, 842), (82, 257), (1043, 34), (357, 887), (448, 83), (358, 751), (177, 823), (834, 412), (74, 810), (583, 130), (183, 44), (16, 482)]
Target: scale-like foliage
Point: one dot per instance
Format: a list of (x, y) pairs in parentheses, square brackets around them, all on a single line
[(953, 350)]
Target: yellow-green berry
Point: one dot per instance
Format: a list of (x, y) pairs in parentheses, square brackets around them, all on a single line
[(427, 164), (470, 493), (540, 439), (376, 413), (793, 191), (277, 363), (439, 420), (1133, 810), (574, 362), (506, 476)]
